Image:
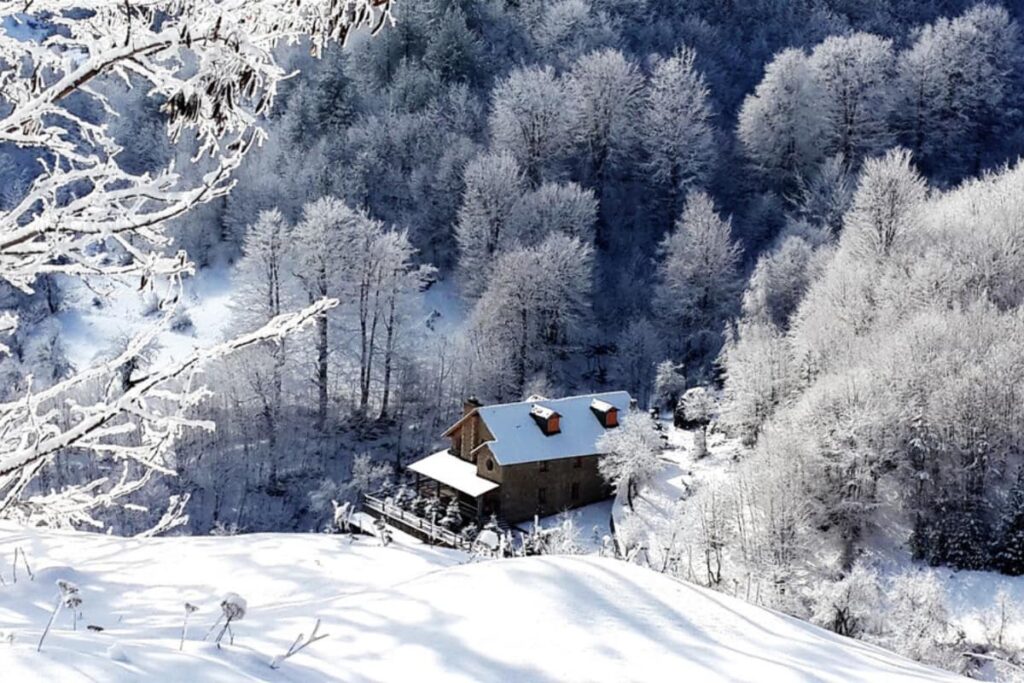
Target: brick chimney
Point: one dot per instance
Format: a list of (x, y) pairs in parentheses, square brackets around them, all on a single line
[(470, 404)]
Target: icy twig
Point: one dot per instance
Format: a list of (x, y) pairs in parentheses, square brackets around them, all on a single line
[(300, 644)]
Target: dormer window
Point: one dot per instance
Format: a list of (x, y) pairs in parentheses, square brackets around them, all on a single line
[(546, 419), (606, 413)]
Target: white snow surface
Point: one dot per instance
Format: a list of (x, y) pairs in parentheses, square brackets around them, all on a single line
[(91, 332), (518, 439), (455, 472), (404, 612)]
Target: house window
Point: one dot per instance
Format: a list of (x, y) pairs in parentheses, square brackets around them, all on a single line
[(490, 464), (577, 463), (542, 496), (543, 465), (574, 493)]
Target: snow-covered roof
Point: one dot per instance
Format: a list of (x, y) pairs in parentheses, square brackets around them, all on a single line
[(455, 472), (518, 439), (601, 406)]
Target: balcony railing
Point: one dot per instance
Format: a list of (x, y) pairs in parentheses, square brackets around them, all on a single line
[(428, 529)]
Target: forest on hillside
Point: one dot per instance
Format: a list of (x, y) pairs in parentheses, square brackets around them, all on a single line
[(812, 209)]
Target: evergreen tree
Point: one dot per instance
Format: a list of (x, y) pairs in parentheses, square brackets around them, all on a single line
[(1008, 549)]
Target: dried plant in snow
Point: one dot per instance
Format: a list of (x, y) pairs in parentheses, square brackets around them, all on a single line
[(232, 608), (301, 642), (189, 609), (69, 597)]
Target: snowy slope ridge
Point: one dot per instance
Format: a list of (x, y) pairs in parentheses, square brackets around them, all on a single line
[(405, 612)]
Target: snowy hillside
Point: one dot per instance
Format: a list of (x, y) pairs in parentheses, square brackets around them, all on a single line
[(395, 612)]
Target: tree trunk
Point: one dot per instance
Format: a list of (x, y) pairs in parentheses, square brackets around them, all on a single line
[(389, 351), (321, 372)]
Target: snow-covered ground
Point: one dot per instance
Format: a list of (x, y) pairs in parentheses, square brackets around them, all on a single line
[(99, 318), (590, 521), (401, 613)]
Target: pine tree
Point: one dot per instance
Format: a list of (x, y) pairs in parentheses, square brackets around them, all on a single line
[(452, 48), (1008, 549)]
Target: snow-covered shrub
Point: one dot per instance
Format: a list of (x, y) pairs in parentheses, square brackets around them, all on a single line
[(918, 619), (222, 528), (452, 518), (850, 606), (564, 538), (404, 496), (1002, 621), (181, 321)]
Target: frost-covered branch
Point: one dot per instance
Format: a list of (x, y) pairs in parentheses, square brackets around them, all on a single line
[(154, 407), (211, 65)]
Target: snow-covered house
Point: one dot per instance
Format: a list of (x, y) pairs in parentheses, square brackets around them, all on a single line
[(516, 460)]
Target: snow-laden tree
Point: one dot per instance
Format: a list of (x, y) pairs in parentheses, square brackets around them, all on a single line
[(698, 408), (637, 350), (321, 247), (698, 282), (452, 48), (494, 184), (265, 291), (760, 375), (855, 74), (563, 30), (779, 282), (826, 196), (676, 124), (782, 123), (344, 253), (213, 67), (630, 454), (530, 119), (886, 207), (1008, 548), (959, 89), (385, 276), (605, 90), (532, 313), (555, 208), (669, 384)]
